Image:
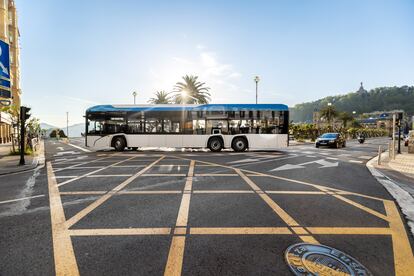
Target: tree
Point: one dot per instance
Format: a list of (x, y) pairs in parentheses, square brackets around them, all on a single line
[(329, 113), (161, 97), (14, 113), (191, 91), (345, 117)]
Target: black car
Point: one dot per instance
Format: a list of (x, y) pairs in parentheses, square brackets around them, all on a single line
[(330, 140)]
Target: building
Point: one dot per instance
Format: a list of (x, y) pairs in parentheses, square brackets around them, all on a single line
[(379, 119), (9, 34)]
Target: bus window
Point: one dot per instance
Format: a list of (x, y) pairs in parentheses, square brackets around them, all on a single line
[(199, 126), (213, 125), (95, 127)]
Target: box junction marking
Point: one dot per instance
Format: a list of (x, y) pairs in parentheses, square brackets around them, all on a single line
[(65, 261)]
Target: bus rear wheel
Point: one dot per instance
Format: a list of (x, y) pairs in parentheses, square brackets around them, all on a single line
[(119, 144), (239, 144), (215, 144)]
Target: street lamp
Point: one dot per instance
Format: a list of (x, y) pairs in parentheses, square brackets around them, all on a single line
[(329, 114), (135, 95), (256, 80)]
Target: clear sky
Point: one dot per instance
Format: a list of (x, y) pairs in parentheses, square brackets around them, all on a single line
[(78, 53)]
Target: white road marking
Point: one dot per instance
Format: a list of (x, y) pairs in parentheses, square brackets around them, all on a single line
[(108, 175), (323, 162), (18, 199), (355, 161), (82, 149), (364, 157)]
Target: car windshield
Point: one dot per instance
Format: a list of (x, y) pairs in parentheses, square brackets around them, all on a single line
[(329, 135)]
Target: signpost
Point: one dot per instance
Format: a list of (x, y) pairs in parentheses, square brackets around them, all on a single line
[(5, 91)]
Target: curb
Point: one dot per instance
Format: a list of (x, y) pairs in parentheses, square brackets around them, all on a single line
[(403, 198), (37, 160)]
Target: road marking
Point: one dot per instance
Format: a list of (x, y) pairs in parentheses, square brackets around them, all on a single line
[(105, 197), (93, 172), (164, 174), (355, 161), (19, 199), (65, 176), (84, 193), (322, 162), (403, 254), (64, 256), (120, 232), (297, 192), (147, 192), (80, 168), (362, 207), (176, 253), (349, 230), (216, 174), (175, 257), (364, 157), (240, 231), (223, 192), (108, 175), (81, 163), (82, 149)]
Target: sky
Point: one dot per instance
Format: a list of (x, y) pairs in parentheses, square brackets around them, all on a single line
[(76, 54)]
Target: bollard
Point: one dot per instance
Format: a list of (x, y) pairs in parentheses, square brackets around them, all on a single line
[(379, 155), (389, 150)]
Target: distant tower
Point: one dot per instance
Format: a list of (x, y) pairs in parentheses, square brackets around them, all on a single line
[(361, 89)]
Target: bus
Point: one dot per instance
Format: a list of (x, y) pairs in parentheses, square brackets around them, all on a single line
[(213, 126)]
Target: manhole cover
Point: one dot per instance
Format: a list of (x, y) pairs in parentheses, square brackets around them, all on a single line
[(313, 259)]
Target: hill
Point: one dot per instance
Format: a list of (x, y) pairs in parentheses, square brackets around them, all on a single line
[(378, 99), (74, 130)]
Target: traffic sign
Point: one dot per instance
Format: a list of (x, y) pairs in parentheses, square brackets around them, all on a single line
[(5, 63)]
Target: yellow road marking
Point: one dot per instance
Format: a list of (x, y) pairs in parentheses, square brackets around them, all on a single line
[(403, 254), (240, 231), (175, 257), (92, 172), (105, 197), (164, 174), (120, 232), (297, 192), (216, 174), (180, 231), (349, 230), (278, 210), (247, 180), (147, 192), (64, 256), (223, 192), (300, 230), (176, 254), (362, 207)]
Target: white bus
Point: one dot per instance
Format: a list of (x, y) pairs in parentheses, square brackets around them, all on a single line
[(214, 126)]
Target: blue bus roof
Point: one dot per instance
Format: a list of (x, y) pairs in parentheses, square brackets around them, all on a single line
[(188, 107)]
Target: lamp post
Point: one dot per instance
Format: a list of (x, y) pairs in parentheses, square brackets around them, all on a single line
[(256, 80), (135, 95), (329, 114), (67, 125)]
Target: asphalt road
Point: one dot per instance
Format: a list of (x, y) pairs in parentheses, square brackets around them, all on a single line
[(196, 212)]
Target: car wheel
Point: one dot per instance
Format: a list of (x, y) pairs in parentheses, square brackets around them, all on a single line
[(239, 144), (344, 144), (215, 144), (119, 144), (337, 145), (316, 146)]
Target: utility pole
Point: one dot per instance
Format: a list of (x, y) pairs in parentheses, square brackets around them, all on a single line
[(256, 80), (67, 125), (24, 115), (393, 135)]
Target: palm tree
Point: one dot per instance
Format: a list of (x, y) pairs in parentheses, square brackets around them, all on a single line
[(345, 117), (191, 91), (329, 112), (161, 97)]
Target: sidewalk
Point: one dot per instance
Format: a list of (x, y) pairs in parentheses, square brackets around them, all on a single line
[(397, 176), (10, 163)]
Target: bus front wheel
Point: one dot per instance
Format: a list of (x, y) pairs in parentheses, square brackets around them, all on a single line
[(119, 144), (239, 144), (215, 144)]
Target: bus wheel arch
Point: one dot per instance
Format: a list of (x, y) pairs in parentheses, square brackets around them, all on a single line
[(240, 143), (119, 142), (215, 143)]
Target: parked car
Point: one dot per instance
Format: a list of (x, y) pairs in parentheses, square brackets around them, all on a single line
[(330, 140)]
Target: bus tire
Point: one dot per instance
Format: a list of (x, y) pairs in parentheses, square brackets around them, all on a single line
[(119, 143), (239, 144), (215, 144)]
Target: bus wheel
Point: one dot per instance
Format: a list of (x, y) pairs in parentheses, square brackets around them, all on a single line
[(215, 144), (119, 144), (239, 144)]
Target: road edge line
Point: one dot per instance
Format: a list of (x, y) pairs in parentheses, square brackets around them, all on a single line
[(402, 197)]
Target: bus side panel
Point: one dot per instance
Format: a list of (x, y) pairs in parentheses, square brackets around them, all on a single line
[(267, 141), (196, 141), (98, 142), (172, 141)]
